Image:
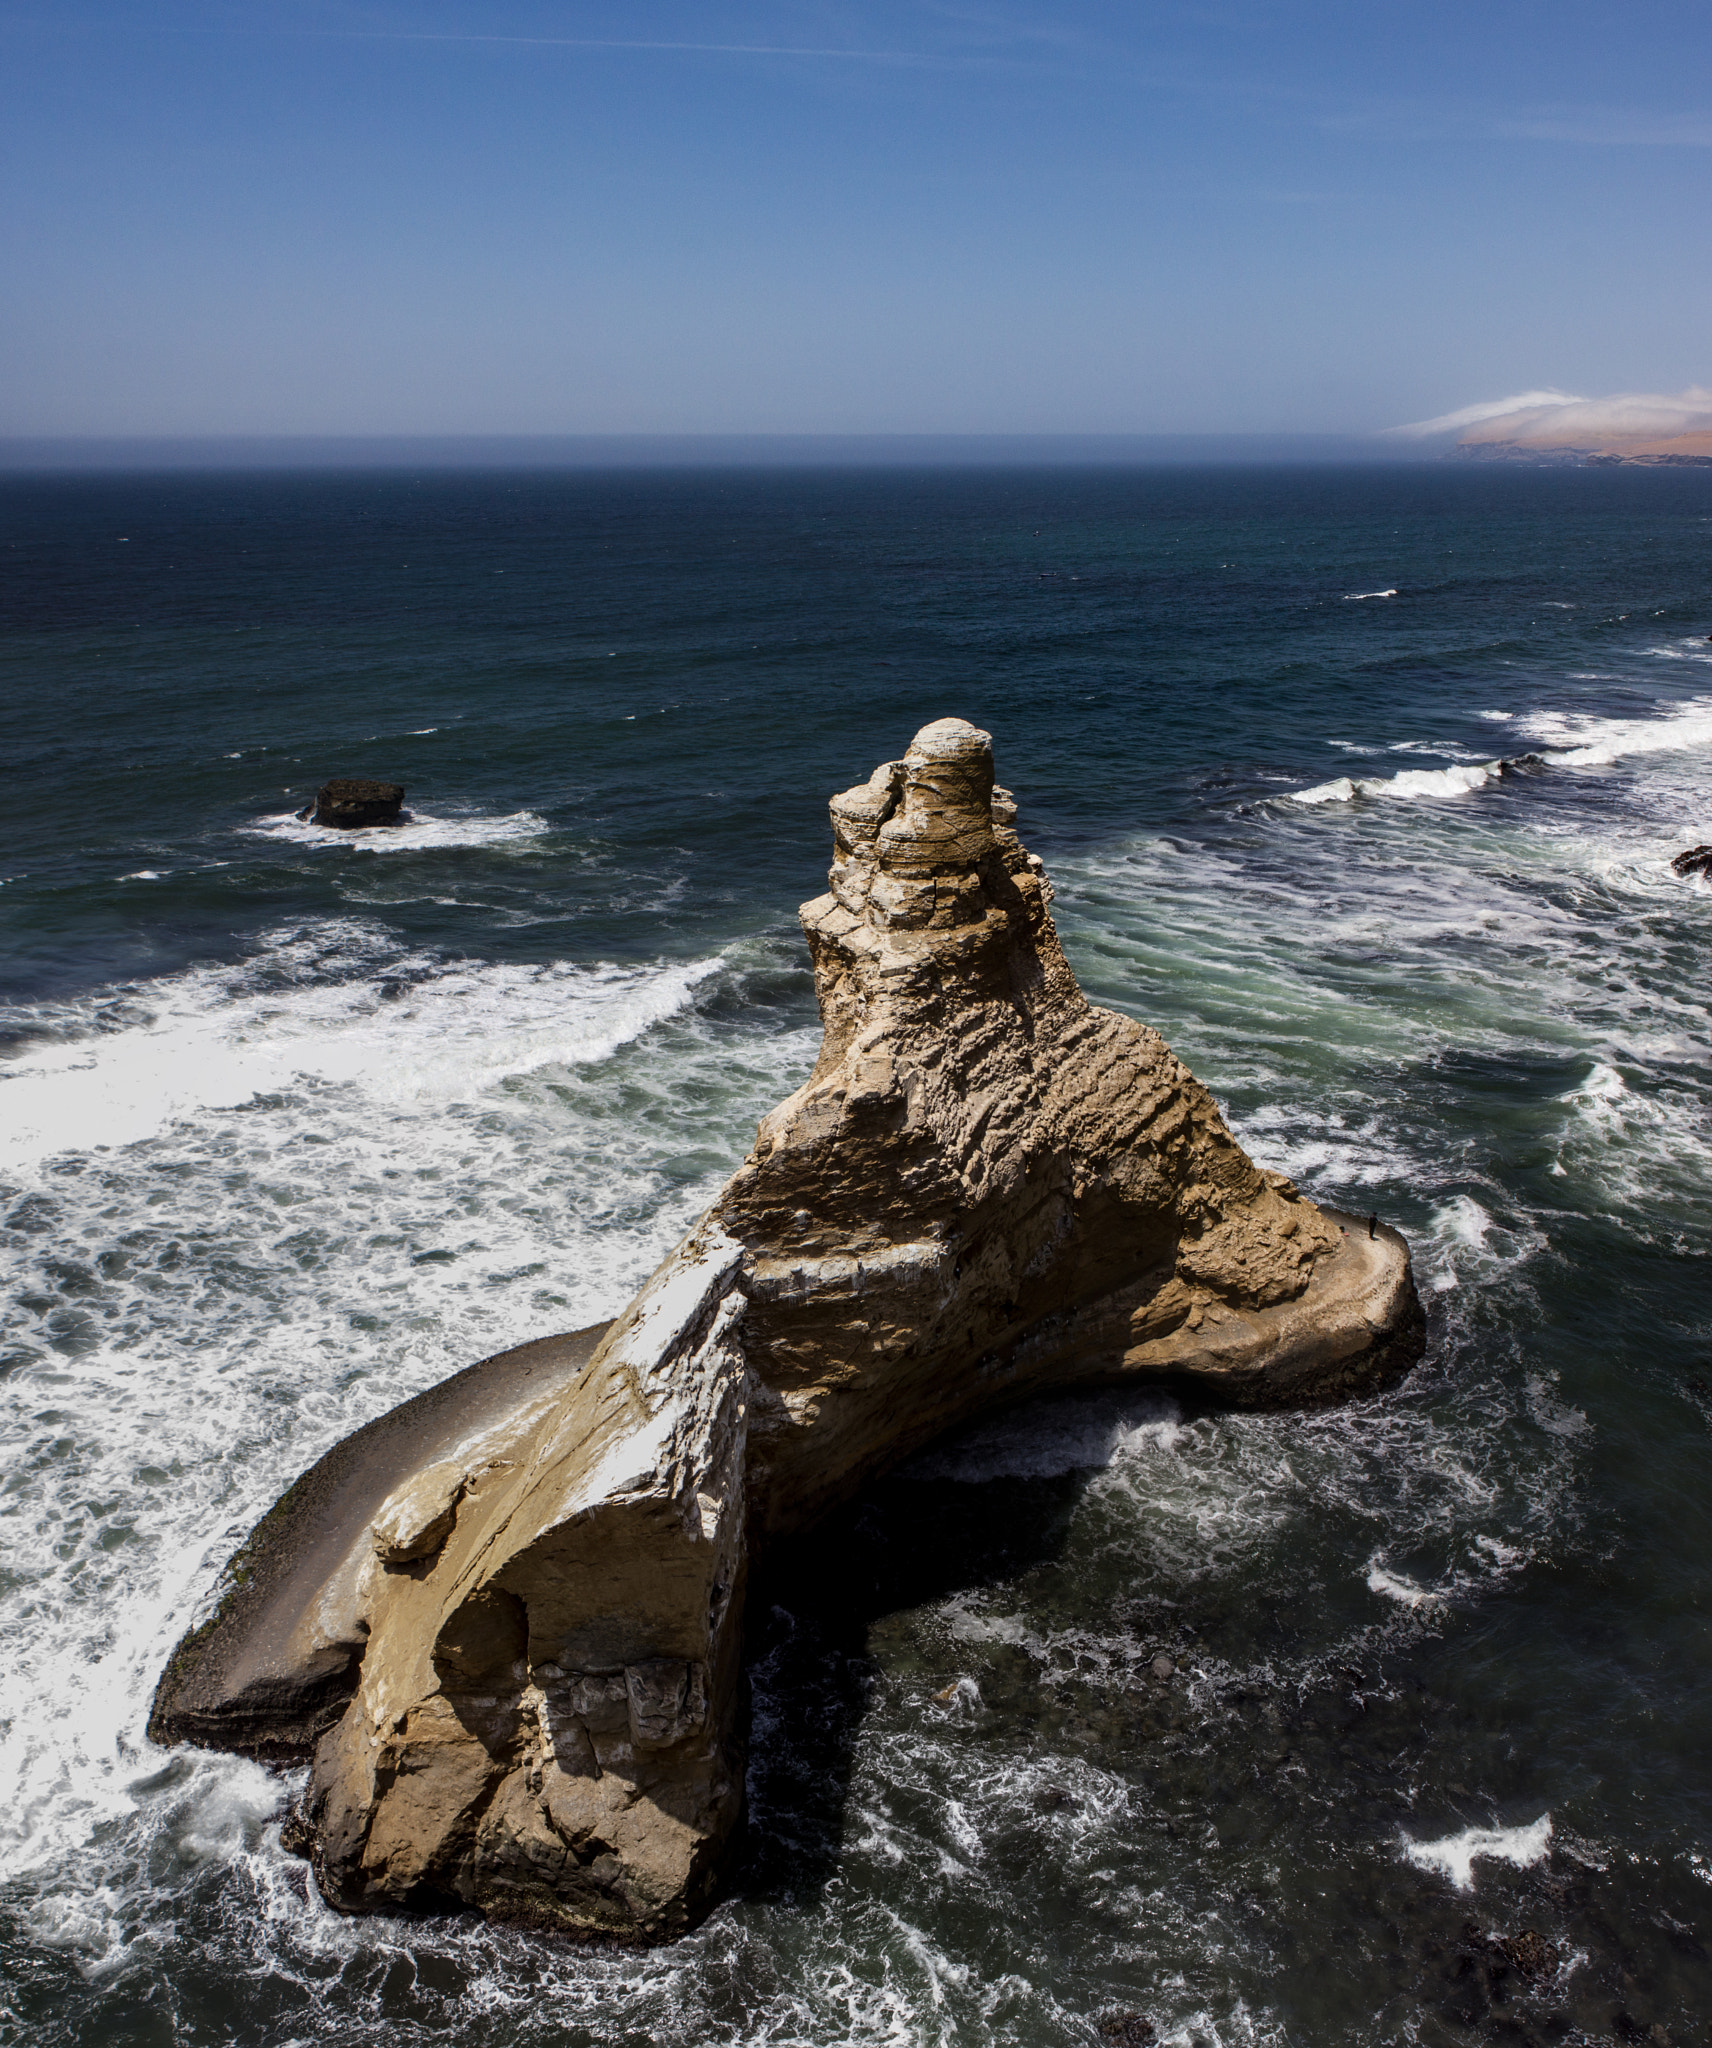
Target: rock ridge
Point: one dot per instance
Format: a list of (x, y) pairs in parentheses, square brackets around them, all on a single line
[(987, 1188)]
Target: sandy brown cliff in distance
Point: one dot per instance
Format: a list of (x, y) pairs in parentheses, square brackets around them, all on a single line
[(520, 1671), (1498, 440)]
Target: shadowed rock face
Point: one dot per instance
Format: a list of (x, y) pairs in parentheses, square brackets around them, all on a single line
[(986, 1189)]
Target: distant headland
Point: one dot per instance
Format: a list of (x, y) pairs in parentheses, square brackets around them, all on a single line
[(1643, 430)]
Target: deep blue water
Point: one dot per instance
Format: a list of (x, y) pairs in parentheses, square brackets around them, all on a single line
[(675, 671), (291, 1124)]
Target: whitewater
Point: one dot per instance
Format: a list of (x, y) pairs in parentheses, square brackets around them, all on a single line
[(1114, 1707)]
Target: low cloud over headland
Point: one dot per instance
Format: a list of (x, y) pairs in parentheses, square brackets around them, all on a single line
[(1628, 426)]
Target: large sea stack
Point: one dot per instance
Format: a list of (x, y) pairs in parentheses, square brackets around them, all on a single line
[(507, 1620)]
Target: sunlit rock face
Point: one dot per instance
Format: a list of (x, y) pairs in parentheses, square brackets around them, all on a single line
[(987, 1188)]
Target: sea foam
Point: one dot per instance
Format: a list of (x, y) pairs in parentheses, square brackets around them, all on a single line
[(1573, 741), (248, 1210), (1395, 1586), (1457, 780), (416, 833), (1566, 740), (1454, 1855), (409, 1031)]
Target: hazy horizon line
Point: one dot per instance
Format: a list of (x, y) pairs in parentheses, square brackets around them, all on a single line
[(58, 453)]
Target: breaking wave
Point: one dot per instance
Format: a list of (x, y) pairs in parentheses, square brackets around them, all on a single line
[(1574, 741), (417, 832), (1454, 1856), (1566, 740), (1407, 782), (249, 1209), (336, 1003)]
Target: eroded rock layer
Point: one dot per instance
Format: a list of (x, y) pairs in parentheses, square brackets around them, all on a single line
[(987, 1188)]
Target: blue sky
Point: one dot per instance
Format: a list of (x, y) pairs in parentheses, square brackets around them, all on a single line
[(527, 217)]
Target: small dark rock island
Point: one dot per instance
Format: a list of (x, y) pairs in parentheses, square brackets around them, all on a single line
[(349, 803), (505, 1622)]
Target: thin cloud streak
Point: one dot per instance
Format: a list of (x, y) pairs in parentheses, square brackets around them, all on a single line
[(382, 35)]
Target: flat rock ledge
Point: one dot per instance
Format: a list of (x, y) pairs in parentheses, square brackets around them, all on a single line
[(504, 1623)]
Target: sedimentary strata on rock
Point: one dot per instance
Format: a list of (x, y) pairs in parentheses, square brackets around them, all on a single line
[(987, 1188)]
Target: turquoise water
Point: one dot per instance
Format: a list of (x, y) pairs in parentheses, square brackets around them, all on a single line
[(293, 1124)]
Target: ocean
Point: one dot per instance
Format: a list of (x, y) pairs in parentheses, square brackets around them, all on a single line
[(1114, 1716)]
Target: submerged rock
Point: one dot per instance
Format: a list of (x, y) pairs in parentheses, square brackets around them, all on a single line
[(986, 1189), (349, 803), (1696, 860), (1530, 1952)]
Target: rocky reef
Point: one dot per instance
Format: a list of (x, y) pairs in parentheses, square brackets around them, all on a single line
[(509, 1631)]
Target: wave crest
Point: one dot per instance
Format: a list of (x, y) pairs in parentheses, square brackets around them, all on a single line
[(418, 833)]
